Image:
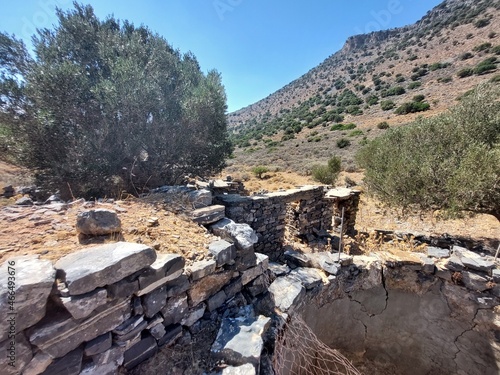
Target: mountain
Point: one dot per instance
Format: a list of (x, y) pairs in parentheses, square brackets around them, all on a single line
[(381, 79)]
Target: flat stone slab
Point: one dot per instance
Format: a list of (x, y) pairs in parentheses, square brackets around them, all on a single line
[(309, 277), (208, 215), (88, 269), (98, 222), (286, 292), (16, 355), (82, 305), (239, 340), (247, 369), (208, 286), (472, 260), (141, 351), (437, 252), (243, 235), (224, 252), (31, 281), (202, 268)]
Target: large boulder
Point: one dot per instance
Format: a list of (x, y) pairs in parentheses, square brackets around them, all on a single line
[(98, 222)]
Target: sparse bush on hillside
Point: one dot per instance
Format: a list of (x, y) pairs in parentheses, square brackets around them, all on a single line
[(483, 22), (343, 143), (486, 66), (387, 105), (412, 107), (496, 50), (259, 171), (327, 174), (465, 72), (383, 125), (414, 85), (343, 126), (451, 161), (466, 56), (482, 47)]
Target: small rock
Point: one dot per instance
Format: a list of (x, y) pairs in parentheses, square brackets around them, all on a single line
[(98, 222), (437, 252), (24, 201), (153, 222)]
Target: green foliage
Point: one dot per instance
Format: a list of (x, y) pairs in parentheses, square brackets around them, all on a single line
[(414, 85), (343, 143), (451, 161), (343, 126), (483, 22), (482, 47), (438, 65), (387, 105), (466, 56), (412, 107), (496, 50), (327, 174), (419, 98), (356, 133), (393, 91), (259, 171), (372, 100), (486, 66), (465, 72), (107, 106), (383, 125)]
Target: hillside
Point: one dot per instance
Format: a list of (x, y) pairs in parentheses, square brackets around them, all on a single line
[(423, 68)]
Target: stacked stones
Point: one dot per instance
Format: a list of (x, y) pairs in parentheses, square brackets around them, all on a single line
[(114, 305), (269, 215), (347, 199)]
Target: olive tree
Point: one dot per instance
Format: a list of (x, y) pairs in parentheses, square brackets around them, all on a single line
[(450, 162)]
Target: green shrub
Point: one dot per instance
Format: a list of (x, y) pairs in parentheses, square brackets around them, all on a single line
[(343, 143), (259, 171), (372, 100), (393, 91), (327, 174), (486, 66), (496, 50), (383, 125), (483, 22), (387, 105), (419, 98), (343, 126), (482, 47), (356, 133), (445, 79), (412, 107), (466, 56), (414, 85), (495, 79), (465, 72)]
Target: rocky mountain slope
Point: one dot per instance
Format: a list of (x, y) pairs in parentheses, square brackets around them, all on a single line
[(376, 80)]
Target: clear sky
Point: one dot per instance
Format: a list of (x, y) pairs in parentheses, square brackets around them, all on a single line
[(258, 45)]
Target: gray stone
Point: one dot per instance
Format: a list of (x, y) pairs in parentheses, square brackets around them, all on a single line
[(474, 281), (166, 267), (223, 252), (216, 301), (428, 265), (309, 277), (286, 292), (278, 269), (208, 215), (296, 259), (98, 222), (195, 314), (233, 288), (175, 309), (153, 302), (325, 261), (82, 305), (242, 235), (200, 198), (139, 352), (239, 340), (454, 263), (98, 345), (122, 289), (30, 283), (157, 331), (247, 369), (178, 286), (437, 252), (472, 260), (251, 273), (24, 201), (208, 286), (496, 275), (91, 368), (173, 332), (113, 355), (38, 364), (94, 267), (59, 334), (70, 364), (201, 269), (16, 354), (129, 325), (258, 286)]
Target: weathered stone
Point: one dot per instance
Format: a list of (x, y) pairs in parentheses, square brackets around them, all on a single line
[(153, 302), (251, 273), (437, 252), (325, 261), (92, 368), (70, 364), (16, 354), (173, 332), (472, 260), (38, 364), (286, 292), (200, 198), (233, 288), (122, 289), (496, 275), (278, 269), (175, 309), (98, 345), (137, 307), (24, 201), (195, 314), (454, 263), (258, 286), (98, 222), (474, 281), (138, 353), (309, 277), (165, 268), (113, 355), (223, 252), (239, 340), (428, 265), (82, 305), (242, 235), (157, 331), (58, 335), (296, 259), (247, 369), (216, 301), (208, 286), (94, 267), (178, 286), (208, 215), (25, 293), (201, 269)]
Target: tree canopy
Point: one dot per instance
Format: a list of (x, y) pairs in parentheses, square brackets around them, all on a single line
[(450, 162), (105, 106)]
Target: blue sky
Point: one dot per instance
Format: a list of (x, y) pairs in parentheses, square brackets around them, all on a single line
[(258, 45)]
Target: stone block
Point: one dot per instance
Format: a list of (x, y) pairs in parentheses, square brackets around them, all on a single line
[(201, 269), (98, 345), (70, 364), (122, 289), (172, 333), (166, 267), (208, 286), (286, 292), (437, 252), (178, 286), (278, 269), (474, 281), (200, 198), (38, 364), (29, 288), (243, 236), (113, 355), (157, 331), (296, 259), (16, 354), (224, 252), (258, 286), (82, 305), (175, 309), (90, 268), (216, 301), (247, 369), (208, 215), (195, 314), (139, 352), (428, 265), (309, 277), (59, 334), (472, 260), (98, 222), (495, 273), (233, 288), (153, 302)]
